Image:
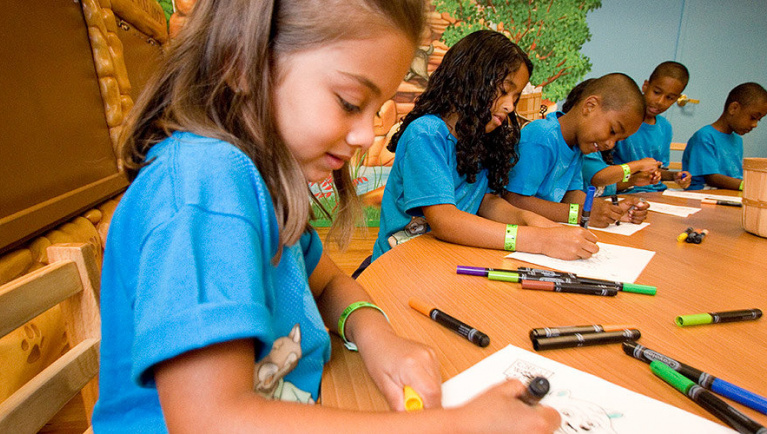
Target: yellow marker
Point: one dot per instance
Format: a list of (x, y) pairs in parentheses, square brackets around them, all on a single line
[(413, 401)]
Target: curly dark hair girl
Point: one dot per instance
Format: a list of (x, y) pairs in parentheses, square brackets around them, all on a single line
[(467, 83)]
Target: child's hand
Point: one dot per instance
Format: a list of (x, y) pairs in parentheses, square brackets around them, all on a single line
[(683, 178), (500, 410), (569, 242), (395, 362), (604, 213), (635, 210), (645, 178), (648, 165)]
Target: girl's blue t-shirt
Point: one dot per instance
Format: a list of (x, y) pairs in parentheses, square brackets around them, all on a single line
[(547, 167), (424, 173), (711, 151), (653, 141), (188, 265)]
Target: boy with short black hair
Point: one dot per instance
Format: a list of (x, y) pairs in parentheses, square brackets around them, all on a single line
[(714, 154), (653, 140)]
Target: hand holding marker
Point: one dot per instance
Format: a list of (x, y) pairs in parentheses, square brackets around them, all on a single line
[(586, 214)]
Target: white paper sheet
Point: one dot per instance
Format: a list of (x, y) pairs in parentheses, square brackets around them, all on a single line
[(701, 194), (622, 229), (681, 211), (586, 403), (612, 262)]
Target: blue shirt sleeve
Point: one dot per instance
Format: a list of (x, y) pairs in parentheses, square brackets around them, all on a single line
[(209, 267)]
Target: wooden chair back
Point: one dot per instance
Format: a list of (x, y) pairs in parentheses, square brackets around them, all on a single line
[(72, 280)]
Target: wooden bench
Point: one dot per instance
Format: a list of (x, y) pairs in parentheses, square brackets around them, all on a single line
[(71, 280)]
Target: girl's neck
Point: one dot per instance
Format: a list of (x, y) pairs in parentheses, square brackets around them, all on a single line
[(569, 127), (450, 120)]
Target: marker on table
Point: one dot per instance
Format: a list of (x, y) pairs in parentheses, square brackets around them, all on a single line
[(718, 317), (550, 332), (723, 411), (720, 202), (587, 206), (708, 381), (535, 391), (582, 340), (413, 401), (614, 200), (473, 335), (575, 288), (527, 273)]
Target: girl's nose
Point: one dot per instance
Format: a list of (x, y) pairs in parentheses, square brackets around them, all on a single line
[(361, 133)]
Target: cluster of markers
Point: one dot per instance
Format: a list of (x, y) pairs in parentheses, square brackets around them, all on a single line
[(692, 236), (557, 281)]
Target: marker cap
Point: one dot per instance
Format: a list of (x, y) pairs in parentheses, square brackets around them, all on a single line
[(420, 306), (413, 401), (503, 276), (639, 289), (538, 284), (691, 320), (472, 271), (670, 376)]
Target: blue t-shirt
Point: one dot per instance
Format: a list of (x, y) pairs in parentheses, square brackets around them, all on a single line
[(187, 265), (593, 163), (653, 141), (425, 173), (547, 167), (711, 151)]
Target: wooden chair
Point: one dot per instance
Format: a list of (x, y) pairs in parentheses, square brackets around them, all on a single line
[(676, 165), (72, 279)]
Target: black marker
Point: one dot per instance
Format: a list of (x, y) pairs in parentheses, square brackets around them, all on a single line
[(582, 340), (535, 391), (614, 199), (473, 335)]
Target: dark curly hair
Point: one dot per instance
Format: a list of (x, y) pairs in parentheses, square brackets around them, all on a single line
[(466, 83)]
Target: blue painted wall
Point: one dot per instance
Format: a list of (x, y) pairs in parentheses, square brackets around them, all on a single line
[(723, 44)]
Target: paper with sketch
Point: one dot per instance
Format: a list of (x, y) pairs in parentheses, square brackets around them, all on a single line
[(611, 262), (622, 229), (586, 403), (681, 211), (700, 194)]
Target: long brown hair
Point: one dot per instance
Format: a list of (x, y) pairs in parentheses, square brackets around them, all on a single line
[(217, 78)]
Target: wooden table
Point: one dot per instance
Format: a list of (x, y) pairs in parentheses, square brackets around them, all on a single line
[(727, 271)]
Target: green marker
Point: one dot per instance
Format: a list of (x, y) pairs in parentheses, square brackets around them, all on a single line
[(710, 402), (670, 376), (718, 317)]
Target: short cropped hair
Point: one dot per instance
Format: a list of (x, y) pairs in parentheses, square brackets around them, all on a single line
[(671, 69), (618, 92), (746, 94)]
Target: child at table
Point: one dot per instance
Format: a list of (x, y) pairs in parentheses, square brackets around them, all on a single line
[(216, 294), (453, 154), (634, 165), (714, 154), (548, 179)]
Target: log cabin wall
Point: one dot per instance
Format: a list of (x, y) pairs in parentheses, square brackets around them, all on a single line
[(125, 41)]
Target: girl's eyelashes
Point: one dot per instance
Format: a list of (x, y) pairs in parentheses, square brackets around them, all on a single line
[(347, 106)]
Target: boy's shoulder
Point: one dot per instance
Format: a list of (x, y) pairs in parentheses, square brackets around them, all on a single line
[(541, 128)]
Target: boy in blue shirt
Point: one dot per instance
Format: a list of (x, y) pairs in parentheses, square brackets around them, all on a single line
[(649, 146), (548, 180), (714, 154)]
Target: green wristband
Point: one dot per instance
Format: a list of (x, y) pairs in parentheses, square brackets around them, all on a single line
[(510, 242), (741, 186), (574, 216), (626, 172), (345, 314)]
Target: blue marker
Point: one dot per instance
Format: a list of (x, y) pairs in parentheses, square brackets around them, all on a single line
[(708, 381), (587, 206)]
